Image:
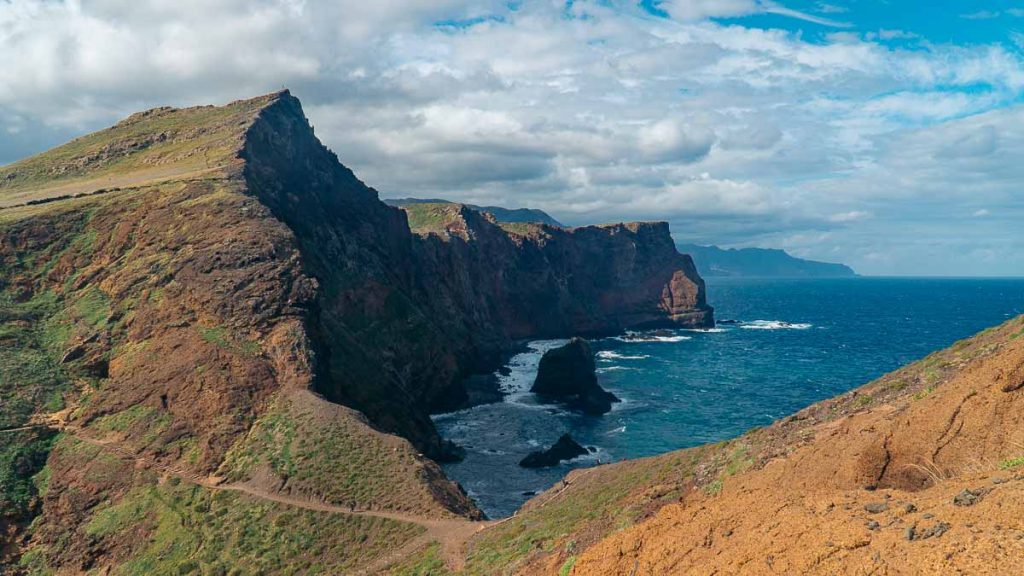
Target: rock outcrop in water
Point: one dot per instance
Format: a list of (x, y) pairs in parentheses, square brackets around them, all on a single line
[(210, 292), (412, 308), (566, 448), (918, 472), (567, 374)]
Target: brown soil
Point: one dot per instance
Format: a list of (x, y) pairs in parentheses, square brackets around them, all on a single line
[(877, 491)]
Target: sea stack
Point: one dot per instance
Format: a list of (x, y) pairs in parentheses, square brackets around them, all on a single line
[(567, 374), (565, 449)]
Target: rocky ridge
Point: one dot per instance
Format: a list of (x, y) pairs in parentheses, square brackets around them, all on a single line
[(185, 316)]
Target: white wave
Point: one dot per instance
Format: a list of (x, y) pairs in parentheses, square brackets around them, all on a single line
[(774, 325), (619, 430), (640, 337), (608, 355), (522, 369), (598, 455), (613, 369), (706, 330)]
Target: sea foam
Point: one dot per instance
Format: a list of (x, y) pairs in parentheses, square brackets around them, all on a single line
[(640, 337), (608, 356), (774, 325)]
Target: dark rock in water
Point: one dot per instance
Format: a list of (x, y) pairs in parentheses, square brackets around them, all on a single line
[(730, 322), (592, 449), (568, 374), (565, 449), (530, 493)]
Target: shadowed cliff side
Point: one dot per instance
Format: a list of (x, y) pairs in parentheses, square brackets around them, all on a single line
[(173, 326), (404, 317)]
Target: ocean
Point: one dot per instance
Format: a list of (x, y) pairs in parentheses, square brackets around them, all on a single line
[(780, 346)]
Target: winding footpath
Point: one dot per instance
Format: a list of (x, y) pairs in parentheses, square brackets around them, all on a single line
[(451, 534)]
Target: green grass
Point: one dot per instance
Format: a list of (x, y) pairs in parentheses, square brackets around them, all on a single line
[(136, 145), (566, 568), (924, 393), (714, 487), (739, 461), (426, 563), (430, 217), (122, 421), (22, 460), (863, 400), (31, 379), (601, 501), (521, 228), (1012, 463), (221, 337), (334, 456), (212, 532), (93, 307), (37, 321)]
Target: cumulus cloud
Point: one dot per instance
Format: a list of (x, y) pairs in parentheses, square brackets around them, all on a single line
[(594, 110)]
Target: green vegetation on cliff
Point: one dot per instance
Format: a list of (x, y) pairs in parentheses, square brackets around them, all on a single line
[(172, 527), (328, 452), (34, 328)]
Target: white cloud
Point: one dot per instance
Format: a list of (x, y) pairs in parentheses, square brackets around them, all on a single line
[(981, 15), (693, 10), (597, 111)]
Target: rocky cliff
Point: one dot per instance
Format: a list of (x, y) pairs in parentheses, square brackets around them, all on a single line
[(181, 293), (406, 314)]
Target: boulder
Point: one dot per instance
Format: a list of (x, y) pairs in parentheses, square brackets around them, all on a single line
[(565, 449), (567, 374)]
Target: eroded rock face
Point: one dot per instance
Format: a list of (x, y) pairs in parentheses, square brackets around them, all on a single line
[(403, 316), (567, 374), (564, 449), (258, 265)]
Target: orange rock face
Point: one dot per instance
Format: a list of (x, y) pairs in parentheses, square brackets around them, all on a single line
[(915, 474)]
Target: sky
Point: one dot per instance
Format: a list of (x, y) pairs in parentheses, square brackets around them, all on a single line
[(884, 134)]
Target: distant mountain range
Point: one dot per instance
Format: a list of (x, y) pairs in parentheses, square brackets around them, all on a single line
[(713, 261), (502, 214)]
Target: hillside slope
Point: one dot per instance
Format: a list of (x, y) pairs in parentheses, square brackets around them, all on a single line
[(205, 317), (919, 472)]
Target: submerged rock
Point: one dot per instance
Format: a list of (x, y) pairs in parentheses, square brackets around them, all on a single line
[(567, 374), (565, 449)]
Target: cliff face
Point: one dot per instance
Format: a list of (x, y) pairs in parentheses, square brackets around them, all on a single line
[(404, 316), (194, 276)]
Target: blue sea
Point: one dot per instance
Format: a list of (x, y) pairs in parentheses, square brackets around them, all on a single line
[(790, 343)]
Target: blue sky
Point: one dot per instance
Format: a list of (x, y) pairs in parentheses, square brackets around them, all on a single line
[(883, 134)]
